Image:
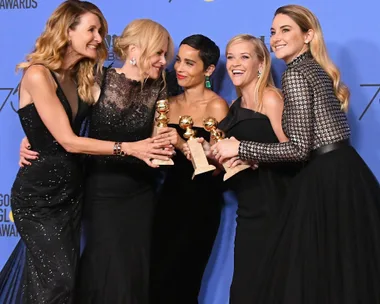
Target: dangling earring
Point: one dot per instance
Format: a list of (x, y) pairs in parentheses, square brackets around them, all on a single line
[(69, 42), (133, 61), (258, 74), (208, 82)]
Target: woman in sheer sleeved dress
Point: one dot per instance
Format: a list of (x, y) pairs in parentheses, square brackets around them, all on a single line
[(47, 196), (326, 247), (120, 194)]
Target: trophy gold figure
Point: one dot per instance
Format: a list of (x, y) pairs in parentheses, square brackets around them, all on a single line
[(162, 108), (210, 124), (198, 156)]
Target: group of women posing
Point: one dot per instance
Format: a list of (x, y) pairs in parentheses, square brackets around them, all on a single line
[(308, 207)]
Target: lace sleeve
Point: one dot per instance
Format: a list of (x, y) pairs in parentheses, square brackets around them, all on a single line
[(99, 77), (297, 121)]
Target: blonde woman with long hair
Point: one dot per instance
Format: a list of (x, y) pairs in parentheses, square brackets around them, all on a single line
[(326, 248), (255, 115), (120, 192), (55, 95)]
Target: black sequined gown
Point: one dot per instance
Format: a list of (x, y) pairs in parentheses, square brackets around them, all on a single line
[(46, 204), (119, 196), (259, 193), (185, 227), (326, 247)]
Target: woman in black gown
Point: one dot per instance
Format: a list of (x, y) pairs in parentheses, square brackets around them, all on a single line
[(255, 115), (326, 248), (120, 194), (47, 196), (188, 211)]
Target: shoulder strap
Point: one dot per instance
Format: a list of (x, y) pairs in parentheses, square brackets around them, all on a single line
[(54, 77)]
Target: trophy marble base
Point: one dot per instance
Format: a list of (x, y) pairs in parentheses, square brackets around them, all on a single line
[(160, 162), (155, 131), (232, 171), (198, 158)]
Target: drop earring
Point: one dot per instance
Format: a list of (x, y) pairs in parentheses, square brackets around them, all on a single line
[(133, 61), (208, 82), (258, 74)]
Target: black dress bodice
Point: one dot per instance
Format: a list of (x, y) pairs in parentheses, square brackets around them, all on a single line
[(124, 113), (40, 138)]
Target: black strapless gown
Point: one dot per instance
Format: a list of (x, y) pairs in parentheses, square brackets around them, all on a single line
[(46, 204), (259, 193), (186, 223)]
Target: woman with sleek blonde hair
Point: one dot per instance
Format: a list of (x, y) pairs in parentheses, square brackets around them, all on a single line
[(255, 115), (142, 38), (46, 198), (326, 248), (120, 193)]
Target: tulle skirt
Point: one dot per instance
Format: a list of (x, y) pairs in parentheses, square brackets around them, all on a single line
[(326, 247)]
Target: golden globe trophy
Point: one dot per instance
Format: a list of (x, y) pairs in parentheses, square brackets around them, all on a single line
[(198, 156), (210, 124), (162, 108)]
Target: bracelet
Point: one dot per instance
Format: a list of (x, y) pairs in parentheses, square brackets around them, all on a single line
[(117, 149)]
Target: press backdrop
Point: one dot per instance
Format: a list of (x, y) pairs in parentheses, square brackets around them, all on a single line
[(351, 31)]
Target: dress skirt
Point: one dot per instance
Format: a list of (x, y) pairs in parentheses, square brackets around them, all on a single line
[(326, 248)]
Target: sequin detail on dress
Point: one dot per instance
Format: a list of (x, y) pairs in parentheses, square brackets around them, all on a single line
[(46, 204)]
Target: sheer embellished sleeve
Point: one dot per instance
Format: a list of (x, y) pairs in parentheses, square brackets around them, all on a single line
[(297, 122), (99, 76)]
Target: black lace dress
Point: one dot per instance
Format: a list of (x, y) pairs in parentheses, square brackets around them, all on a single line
[(119, 196), (326, 248), (185, 227), (46, 204)]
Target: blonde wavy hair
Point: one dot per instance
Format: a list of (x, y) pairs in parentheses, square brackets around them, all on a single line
[(306, 20), (51, 46), (148, 36), (265, 81)]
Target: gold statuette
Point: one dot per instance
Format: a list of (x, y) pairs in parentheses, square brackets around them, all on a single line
[(210, 124), (162, 108), (198, 156)]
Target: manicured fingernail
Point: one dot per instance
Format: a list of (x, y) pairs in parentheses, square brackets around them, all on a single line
[(28, 147)]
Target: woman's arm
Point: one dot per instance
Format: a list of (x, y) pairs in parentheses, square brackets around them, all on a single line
[(26, 154), (299, 112), (273, 108), (38, 84), (298, 109)]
